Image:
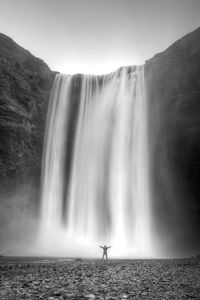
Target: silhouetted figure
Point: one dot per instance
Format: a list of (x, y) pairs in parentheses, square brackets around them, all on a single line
[(105, 248)]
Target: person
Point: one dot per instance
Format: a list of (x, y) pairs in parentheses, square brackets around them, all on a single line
[(105, 253)]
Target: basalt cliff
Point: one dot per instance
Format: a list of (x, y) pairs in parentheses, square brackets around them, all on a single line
[(25, 84), (173, 90)]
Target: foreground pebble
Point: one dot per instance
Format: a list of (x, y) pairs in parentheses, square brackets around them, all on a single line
[(136, 279)]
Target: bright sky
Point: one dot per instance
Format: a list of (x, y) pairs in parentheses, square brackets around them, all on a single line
[(97, 36)]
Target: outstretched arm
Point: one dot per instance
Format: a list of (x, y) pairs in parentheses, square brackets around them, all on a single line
[(101, 247), (109, 247)]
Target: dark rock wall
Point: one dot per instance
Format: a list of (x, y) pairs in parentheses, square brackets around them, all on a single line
[(173, 89), (25, 84)]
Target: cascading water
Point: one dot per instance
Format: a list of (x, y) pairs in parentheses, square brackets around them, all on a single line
[(106, 198)]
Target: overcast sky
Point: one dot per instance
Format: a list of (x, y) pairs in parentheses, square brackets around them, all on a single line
[(97, 36)]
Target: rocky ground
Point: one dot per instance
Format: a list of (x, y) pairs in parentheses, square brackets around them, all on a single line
[(136, 279)]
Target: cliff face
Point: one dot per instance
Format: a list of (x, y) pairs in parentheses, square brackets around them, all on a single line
[(25, 84), (173, 88)]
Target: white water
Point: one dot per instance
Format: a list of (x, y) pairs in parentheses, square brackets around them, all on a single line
[(108, 197)]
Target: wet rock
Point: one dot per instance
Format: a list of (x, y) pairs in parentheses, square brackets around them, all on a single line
[(90, 296), (78, 260)]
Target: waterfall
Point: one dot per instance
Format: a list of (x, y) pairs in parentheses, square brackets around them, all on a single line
[(105, 199)]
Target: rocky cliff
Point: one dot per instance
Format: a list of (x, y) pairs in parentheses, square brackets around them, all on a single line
[(173, 88), (25, 84)]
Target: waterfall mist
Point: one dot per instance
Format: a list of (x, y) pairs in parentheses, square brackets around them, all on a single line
[(101, 195)]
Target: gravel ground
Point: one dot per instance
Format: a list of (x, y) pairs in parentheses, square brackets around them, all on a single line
[(135, 279)]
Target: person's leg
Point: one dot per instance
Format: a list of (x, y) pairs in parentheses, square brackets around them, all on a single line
[(106, 257), (102, 256)]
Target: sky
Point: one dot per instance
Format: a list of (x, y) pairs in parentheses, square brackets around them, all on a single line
[(97, 36)]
